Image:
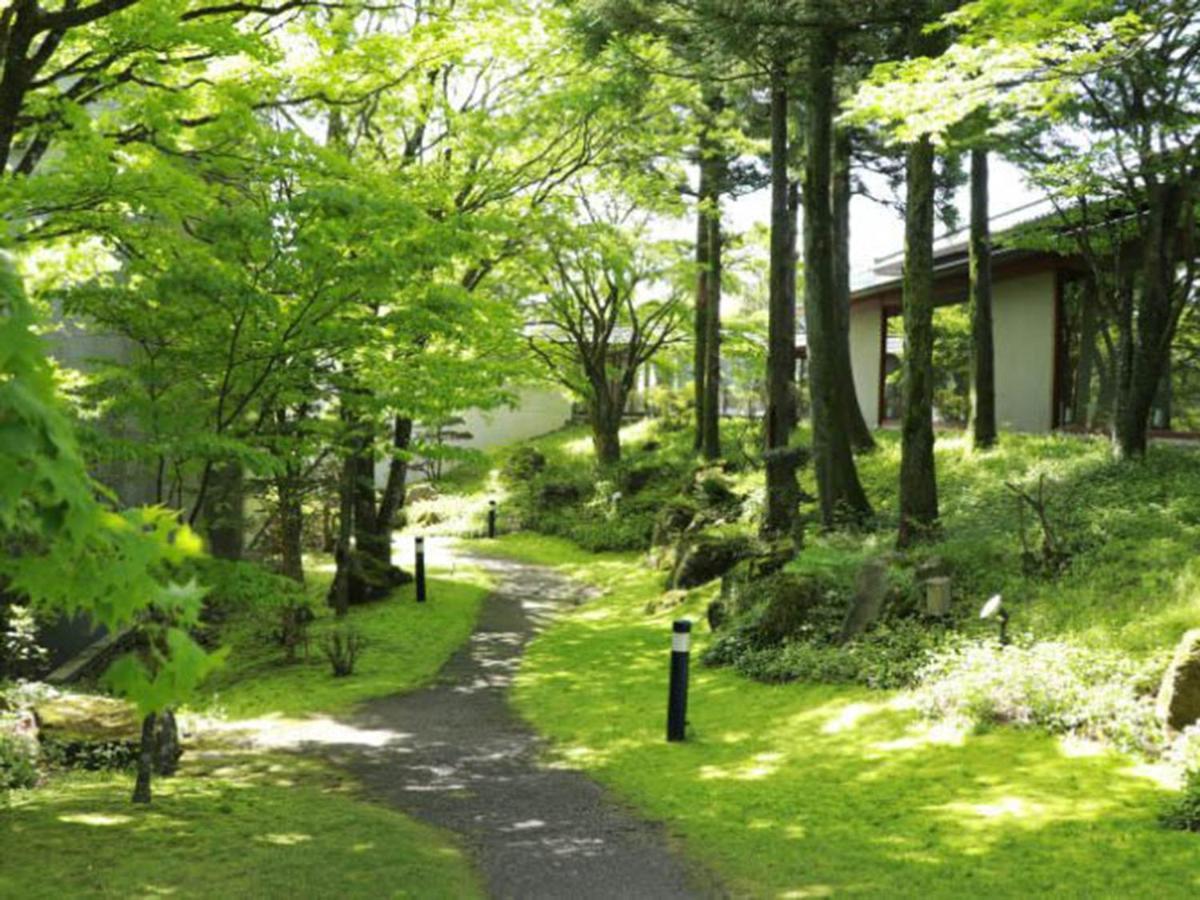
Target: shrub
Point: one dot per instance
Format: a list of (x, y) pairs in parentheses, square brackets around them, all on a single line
[(1058, 686), (18, 755), (1183, 812), (21, 656), (524, 464), (342, 647)]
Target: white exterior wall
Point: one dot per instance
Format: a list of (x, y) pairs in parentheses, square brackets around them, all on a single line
[(865, 324), (538, 411), (1023, 329)]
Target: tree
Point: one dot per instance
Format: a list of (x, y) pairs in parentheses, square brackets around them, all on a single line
[(602, 307), (983, 371), (67, 550)]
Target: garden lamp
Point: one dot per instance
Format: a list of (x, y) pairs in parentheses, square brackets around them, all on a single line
[(994, 608)]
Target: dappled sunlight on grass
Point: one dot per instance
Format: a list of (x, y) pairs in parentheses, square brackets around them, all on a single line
[(223, 827), (807, 790)]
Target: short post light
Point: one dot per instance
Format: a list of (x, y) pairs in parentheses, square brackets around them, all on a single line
[(491, 519), (994, 609), (420, 545), (677, 695)]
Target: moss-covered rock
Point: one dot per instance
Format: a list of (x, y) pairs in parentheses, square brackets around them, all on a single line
[(702, 558), (1179, 696)]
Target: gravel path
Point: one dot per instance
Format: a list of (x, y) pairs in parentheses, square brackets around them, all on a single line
[(459, 758)]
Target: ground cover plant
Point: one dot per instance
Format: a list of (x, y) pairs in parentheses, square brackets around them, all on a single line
[(805, 790), (230, 825), (402, 644)]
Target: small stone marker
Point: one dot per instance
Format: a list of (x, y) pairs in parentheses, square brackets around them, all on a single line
[(1179, 697), (937, 596), (870, 590)]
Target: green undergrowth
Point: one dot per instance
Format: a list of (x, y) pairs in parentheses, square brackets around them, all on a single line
[(405, 644), (247, 826), (815, 790)]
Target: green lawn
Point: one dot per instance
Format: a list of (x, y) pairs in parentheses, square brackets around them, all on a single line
[(807, 791), (406, 645), (250, 827)]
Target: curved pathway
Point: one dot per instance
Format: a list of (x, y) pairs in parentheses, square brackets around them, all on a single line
[(460, 759)]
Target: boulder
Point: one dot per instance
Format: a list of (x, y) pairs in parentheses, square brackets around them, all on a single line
[(737, 585), (1179, 695), (717, 614), (701, 558), (73, 718), (937, 597), (792, 606), (421, 493), (870, 591), (672, 520)]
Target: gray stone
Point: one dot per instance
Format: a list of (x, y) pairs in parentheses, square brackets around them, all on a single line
[(87, 718), (1179, 696), (870, 591), (937, 596)]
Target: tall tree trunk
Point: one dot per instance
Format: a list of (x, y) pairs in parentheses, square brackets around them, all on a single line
[(795, 395), (224, 510), (711, 445), (918, 480), (1082, 413), (342, 588), (782, 489), (983, 354), (291, 523), (700, 322), (604, 414), (856, 424), (1152, 329), (145, 766), (841, 495), (391, 501)]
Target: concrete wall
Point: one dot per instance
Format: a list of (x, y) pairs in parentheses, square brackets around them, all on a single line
[(1023, 323), (865, 325)]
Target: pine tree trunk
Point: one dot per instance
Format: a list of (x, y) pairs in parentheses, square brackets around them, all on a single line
[(918, 481), (795, 394), (145, 766), (711, 445), (782, 491), (700, 321), (856, 425), (841, 495), (983, 356)]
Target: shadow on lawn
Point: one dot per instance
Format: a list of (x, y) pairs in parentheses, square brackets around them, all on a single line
[(807, 790)]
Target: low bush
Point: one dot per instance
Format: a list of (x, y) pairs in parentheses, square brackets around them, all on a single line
[(342, 647), (1183, 812), (18, 754), (1062, 687), (21, 656)]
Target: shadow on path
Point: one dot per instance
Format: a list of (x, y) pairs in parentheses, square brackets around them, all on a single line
[(459, 758)]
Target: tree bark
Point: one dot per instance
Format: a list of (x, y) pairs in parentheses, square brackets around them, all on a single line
[(1082, 413), (918, 480), (983, 355), (782, 490), (605, 419), (795, 395), (392, 499), (856, 424), (700, 321), (145, 767), (224, 510), (291, 524), (711, 443), (841, 495)]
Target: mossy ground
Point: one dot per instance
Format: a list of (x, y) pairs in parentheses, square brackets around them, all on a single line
[(805, 791), (243, 826)]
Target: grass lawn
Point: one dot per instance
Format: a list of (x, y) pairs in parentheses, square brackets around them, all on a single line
[(808, 791), (250, 827), (406, 645)]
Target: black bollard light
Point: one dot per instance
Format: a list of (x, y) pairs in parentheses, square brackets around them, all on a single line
[(420, 570), (681, 640), (491, 519)]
